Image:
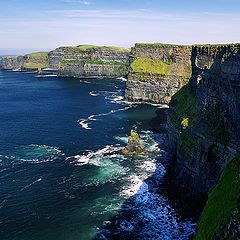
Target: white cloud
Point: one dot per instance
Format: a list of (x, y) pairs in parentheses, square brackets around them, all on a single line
[(123, 28), (84, 2)]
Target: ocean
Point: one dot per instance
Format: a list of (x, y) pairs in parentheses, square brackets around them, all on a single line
[(62, 176)]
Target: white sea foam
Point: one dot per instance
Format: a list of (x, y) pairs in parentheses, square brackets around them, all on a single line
[(94, 93), (29, 185), (46, 75), (84, 124)]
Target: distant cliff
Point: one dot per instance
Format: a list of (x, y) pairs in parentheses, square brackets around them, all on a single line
[(157, 72), (32, 61), (90, 61), (79, 61)]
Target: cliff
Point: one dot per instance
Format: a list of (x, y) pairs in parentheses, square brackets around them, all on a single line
[(157, 72), (32, 61), (90, 61), (11, 62), (204, 137)]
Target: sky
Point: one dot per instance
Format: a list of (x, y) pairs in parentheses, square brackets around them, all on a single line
[(34, 25)]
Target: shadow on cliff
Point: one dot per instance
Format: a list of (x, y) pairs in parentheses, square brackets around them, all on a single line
[(156, 198)]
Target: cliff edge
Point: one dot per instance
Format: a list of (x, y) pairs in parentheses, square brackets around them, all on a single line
[(157, 71)]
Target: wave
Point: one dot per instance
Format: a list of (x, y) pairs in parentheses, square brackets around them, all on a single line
[(29, 185), (47, 75), (32, 153), (84, 122), (148, 103)]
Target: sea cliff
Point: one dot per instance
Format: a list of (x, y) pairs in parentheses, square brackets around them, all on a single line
[(90, 61), (157, 72), (32, 61), (203, 133), (75, 61)]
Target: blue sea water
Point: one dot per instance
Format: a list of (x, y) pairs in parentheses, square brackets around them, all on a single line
[(61, 174)]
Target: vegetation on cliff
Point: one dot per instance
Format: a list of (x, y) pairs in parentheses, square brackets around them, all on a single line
[(134, 146), (149, 65), (92, 48), (36, 60), (221, 214)]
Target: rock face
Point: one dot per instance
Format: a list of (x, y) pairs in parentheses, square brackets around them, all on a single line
[(204, 137), (32, 61), (90, 61), (211, 104), (134, 146), (11, 62), (157, 72)]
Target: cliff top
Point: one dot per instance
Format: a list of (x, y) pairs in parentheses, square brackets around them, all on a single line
[(37, 54), (193, 45), (159, 45), (93, 47)]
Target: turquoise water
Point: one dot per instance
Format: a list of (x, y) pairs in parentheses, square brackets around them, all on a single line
[(61, 174)]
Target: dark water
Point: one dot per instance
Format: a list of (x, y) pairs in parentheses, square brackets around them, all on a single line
[(61, 174)]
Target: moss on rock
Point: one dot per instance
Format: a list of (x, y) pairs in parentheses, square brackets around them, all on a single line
[(149, 65), (222, 211), (134, 146)]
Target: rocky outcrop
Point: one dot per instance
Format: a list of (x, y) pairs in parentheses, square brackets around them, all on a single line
[(32, 61), (157, 72), (90, 61), (11, 62), (134, 146), (211, 104)]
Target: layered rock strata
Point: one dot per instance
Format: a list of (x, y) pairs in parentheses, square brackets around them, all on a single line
[(90, 61), (157, 72)]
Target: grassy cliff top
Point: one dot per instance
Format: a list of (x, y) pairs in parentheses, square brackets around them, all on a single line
[(37, 55), (36, 60), (149, 65), (93, 47), (159, 45), (223, 203), (217, 45)]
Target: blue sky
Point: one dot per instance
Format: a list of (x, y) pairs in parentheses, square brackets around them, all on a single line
[(29, 25)]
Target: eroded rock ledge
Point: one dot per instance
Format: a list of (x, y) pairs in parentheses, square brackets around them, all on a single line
[(157, 72)]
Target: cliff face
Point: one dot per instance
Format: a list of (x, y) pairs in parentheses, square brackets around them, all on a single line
[(32, 61), (90, 61), (204, 137), (157, 72), (211, 105), (11, 62)]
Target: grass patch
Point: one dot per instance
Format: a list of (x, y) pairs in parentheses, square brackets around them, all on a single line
[(36, 60), (71, 61), (158, 45), (37, 55), (92, 48), (222, 201), (184, 103), (149, 65), (106, 62)]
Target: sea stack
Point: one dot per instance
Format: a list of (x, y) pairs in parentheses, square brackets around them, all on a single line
[(134, 146)]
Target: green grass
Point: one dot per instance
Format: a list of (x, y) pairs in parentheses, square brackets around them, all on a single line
[(98, 62), (36, 60), (92, 47), (149, 65), (72, 61), (158, 45), (184, 103), (106, 62), (222, 201), (37, 55)]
